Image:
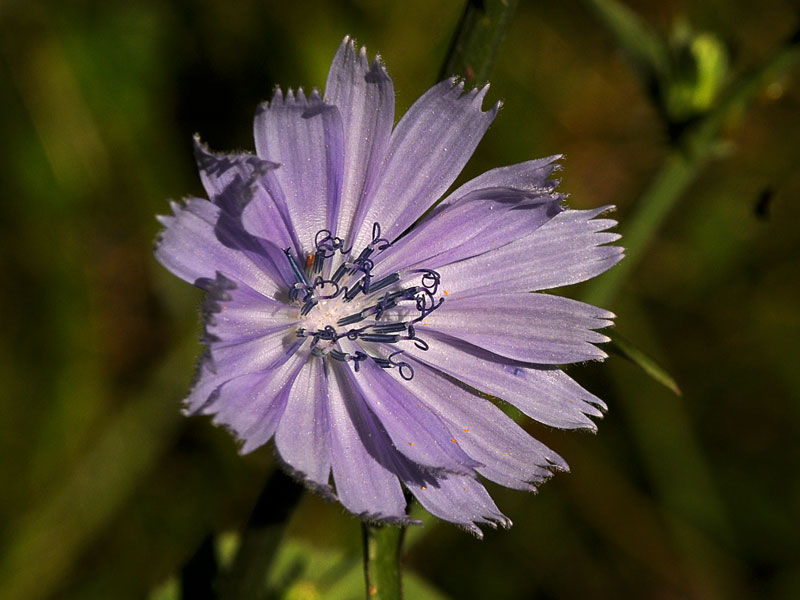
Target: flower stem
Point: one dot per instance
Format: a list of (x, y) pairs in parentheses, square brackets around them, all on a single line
[(382, 549), (477, 39)]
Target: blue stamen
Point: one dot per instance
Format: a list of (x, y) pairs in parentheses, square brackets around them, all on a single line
[(356, 273), (339, 273), (298, 273), (350, 319), (390, 327), (310, 303), (353, 292), (384, 282), (380, 338)]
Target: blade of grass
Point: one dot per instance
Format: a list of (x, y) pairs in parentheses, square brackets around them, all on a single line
[(621, 346)]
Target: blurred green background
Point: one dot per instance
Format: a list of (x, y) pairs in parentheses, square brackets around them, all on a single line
[(107, 491)]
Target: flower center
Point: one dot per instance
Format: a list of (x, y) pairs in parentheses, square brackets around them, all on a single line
[(339, 298)]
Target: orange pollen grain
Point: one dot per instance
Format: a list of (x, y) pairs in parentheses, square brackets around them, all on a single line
[(446, 293), (410, 443), (453, 440), (466, 430)]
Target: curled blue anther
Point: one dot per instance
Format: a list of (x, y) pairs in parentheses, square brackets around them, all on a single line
[(357, 358), (319, 260), (379, 242), (420, 343), (339, 273), (406, 370), (430, 279)]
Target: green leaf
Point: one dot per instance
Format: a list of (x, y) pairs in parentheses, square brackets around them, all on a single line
[(624, 348)]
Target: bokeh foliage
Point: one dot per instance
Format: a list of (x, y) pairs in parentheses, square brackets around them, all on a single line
[(108, 491)]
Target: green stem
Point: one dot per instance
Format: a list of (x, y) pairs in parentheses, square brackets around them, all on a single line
[(681, 167), (477, 39), (382, 549)]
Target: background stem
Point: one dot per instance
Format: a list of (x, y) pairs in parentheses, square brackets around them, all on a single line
[(477, 39), (246, 578)]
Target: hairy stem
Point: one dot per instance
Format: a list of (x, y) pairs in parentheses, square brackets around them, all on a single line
[(382, 572)]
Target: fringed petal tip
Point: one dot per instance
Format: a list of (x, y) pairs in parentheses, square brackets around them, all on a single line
[(494, 521), (473, 95), (396, 520), (324, 490)]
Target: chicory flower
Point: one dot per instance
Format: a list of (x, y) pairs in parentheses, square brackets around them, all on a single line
[(365, 335)]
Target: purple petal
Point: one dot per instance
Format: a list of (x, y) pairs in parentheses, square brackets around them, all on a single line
[(530, 176), (364, 95), (302, 438), (544, 393), (428, 149), (510, 456), (361, 455), (536, 328), (252, 405), (236, 313), (467, 226), (305, 136), (224, 363), (228, 178), (567, 249), (414, 429), (192, 246), (267, 217), (461, 500), (244, 332), (239, 184)]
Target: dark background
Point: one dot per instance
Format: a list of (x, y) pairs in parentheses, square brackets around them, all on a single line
[(107, 490)]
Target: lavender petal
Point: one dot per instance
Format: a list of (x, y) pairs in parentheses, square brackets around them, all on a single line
[(461, 500), (192, 247), (531, 176), (415, 430), (544, 393), (302, 439), (304, 135), (428, 149), (509, 455), (481, 221), (252, 405), (364, 95), (361, 457), (565, 250), (536, 328)]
